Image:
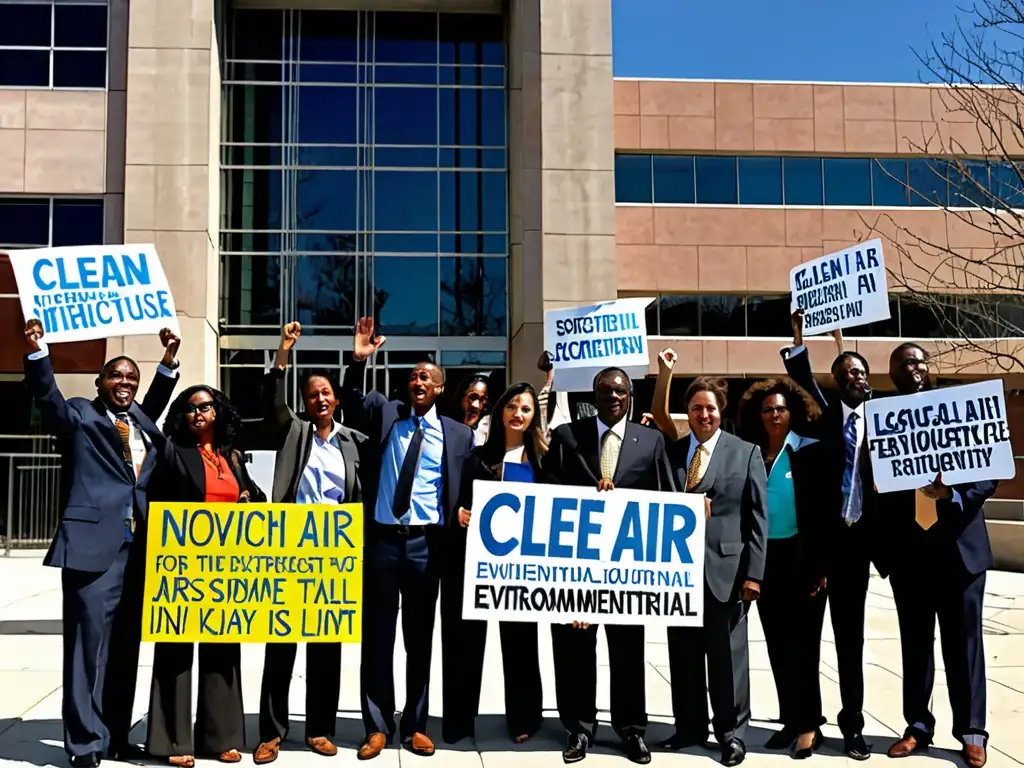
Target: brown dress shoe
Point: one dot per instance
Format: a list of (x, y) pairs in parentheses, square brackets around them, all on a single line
[(975, 756), (322, 746), (267, 752), (420, 744), (906, 746), (231, 756), (373, 746)]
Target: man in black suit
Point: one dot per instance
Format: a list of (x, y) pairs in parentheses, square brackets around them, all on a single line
[(850, 512), (317, 462), (109, 447), (730, 473), (940, 553), (605, 451), (412, 480)]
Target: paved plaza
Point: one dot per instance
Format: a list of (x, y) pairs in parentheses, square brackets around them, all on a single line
[(30, 690)]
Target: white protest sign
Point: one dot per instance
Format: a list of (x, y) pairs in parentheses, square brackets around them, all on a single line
[(958, 431), (583, 341), (94, 292), (556, 553), (841, 290)]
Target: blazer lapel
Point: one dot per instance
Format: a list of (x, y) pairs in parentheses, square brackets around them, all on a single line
[(590, 450), (450, 473), (193, 462), (113, 437), (716, 460), (351, 458), (628, 451)]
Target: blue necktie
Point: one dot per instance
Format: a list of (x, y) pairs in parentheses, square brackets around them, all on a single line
[(851, 489), (402, 499)]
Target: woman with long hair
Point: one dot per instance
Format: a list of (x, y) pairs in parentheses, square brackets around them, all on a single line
[(513, 451), (201, 464), (777, 415), (471, 406)]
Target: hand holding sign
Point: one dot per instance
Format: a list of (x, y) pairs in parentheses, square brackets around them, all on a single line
[(798, 328), (366, 343), (33, 333), (751, 590), (465, 516), (937, 491)]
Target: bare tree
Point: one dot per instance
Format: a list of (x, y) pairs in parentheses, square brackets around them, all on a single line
[(969, 273)]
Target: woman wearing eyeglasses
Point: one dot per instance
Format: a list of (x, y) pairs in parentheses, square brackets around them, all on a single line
[(200, 465)]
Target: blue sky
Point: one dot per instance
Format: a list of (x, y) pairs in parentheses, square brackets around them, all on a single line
[(821, 40)]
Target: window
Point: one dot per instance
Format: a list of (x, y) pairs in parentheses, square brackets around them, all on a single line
[(673, 179), (801, 177), (53, 44), (760, 180), (716, 180), (817, 181), (847, 181), (39, 222)]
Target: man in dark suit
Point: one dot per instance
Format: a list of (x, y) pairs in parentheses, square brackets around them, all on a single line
[(605, 451), (730, 473), (108, 447), (941, 552), (318, 462), (412, 482), (850, 511)]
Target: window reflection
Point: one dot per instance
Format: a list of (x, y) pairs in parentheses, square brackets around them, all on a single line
[(889, 182), (406, 295), (769, 316), (326, 200), (473, 296), (633, 179), (43, 42), (252, 287), (472, 200), (927, 182), (722, 315), (405, 200), (26, 222), (673, 179), (679, 316), (77, 222), (472, 116), (760, 180), (325, 290), (391, 118), (802, 180), (847, 181), (716, 180)]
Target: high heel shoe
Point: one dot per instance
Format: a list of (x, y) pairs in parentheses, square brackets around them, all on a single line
[(802, 753)]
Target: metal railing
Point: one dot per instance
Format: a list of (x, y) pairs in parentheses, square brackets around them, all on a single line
[(29, 491)]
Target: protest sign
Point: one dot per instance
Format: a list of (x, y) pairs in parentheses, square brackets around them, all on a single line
[(841, 290), (94, 292), (584, 340), (958, 431), (254, 573), (555, 553)]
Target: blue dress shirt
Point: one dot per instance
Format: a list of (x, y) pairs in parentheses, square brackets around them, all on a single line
[(425, 505), (323, 479)]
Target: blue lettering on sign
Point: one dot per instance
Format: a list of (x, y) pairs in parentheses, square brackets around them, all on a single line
[(496, 502), (676, 538), (560, 525), (83, 271), (588, 529)]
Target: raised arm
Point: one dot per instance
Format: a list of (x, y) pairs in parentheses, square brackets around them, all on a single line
[(356, 404), (659, 408), (798, 362), (544, 364), (166, 379), (756, 509), (957, 506), (275, 403), (59, 418)]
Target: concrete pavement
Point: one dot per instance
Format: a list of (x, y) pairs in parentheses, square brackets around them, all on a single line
[(30, 690)]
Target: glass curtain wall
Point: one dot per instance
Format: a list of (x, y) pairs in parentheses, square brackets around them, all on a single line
[(364, 170)]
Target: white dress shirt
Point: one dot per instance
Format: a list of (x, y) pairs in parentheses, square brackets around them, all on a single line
[(323, 478), (709, 446)]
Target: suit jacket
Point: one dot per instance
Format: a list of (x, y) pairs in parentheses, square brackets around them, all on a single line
[(375, 415), (295, 443), (829, 430), (97, 490), (737, 531), (181, 476), (574, 458), (806, 461)]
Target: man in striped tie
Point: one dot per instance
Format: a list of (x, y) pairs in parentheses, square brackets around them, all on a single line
[(605, 451), (109, 448)]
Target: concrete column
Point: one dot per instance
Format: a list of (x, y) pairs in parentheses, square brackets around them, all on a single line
[(172, 177), (561, 165)]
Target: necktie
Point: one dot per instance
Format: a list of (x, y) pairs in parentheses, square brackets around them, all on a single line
[(610, 447), (695, 472), (124, 429), (851, 488), (925, 512), (403, 488)]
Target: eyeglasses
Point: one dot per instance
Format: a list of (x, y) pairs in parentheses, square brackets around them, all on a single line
[(200, 408)]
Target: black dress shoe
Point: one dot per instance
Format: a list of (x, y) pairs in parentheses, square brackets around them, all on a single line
[(733, 752), (127, 752), (781, 740), (575, 748), (91, 760), (636, 749), (855, 747), (679, 741), (816, 742)]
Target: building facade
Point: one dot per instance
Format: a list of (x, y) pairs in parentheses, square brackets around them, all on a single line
[(453, 167)]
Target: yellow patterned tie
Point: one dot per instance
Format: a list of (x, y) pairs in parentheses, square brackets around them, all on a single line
[(695, 472), (124, 429), (610, 447)]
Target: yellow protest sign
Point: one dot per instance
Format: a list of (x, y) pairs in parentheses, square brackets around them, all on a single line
[(254, 573)]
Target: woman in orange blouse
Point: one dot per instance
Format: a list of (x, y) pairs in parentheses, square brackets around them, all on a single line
[(201, 465)]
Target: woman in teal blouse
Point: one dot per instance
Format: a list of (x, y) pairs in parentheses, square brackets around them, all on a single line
[(776, 415)]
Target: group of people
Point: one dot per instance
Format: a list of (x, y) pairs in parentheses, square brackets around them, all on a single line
[(792, 520)]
